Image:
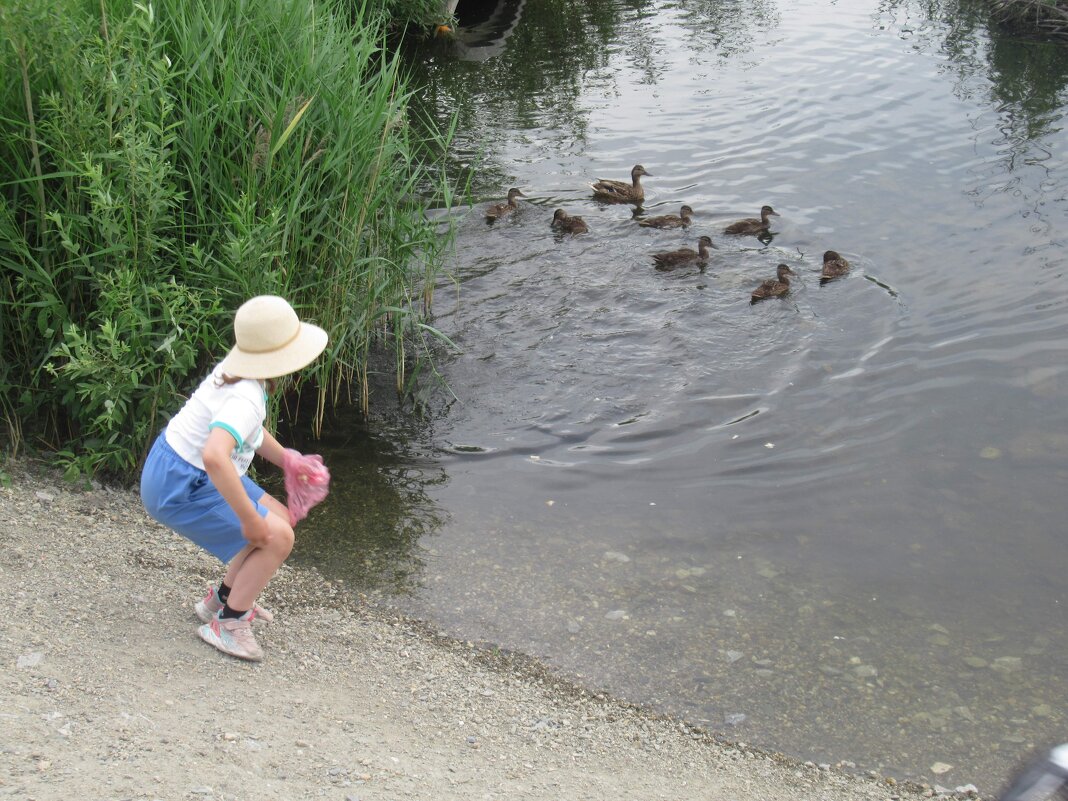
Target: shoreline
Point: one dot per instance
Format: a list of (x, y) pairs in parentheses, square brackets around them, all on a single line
[(108, 693)]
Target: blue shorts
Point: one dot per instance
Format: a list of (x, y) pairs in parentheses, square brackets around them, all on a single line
[(182, 497)]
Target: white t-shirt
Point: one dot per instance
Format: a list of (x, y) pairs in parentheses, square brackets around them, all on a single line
[(239, 408)]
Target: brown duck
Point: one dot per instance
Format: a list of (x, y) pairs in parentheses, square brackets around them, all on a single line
[(834, 266), (774, 287), (621, 191), (684, 256), (682, 220), (562, 221), (751, 225), (498, 210)]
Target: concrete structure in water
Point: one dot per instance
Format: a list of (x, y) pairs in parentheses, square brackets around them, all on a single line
[(483, 26)]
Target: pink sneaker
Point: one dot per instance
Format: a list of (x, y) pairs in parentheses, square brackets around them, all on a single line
[(232, 636), (208, 607)]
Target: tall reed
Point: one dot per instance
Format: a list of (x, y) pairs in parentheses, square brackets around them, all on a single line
[(162, 162)]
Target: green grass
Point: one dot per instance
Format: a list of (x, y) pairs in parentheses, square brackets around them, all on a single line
[(159, 164)]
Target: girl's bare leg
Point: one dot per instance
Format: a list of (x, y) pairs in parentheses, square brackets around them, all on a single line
[(252, 568)]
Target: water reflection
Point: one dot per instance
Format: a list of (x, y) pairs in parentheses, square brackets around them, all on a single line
[(726, 30), (1026, 82), (483, 29), (574, 33), (831, 525), (371, 531)]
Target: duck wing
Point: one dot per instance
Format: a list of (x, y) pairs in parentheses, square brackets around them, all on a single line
[(769, 289), (744, 226), (665, 221), (498, 210), (674, 258), (611, 188)]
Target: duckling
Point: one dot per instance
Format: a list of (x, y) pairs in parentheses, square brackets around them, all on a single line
[(498, 210), (684, 256), (621, 191), (563, 221), (834, 266), (669, 220), (751, 225), (774, 287)]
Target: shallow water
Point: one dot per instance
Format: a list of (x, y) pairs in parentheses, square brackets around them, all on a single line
[(830, 524)]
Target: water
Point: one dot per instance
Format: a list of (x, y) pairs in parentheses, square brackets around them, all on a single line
[(831, 524)]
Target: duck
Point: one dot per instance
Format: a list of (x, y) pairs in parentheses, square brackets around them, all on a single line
[(621, 191), (834, 266), (669, 220), (684, 256), (563, 221), (774, 287), (498, 210), (751, 225)]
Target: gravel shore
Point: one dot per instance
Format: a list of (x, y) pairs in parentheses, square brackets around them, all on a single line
[(106, 692)]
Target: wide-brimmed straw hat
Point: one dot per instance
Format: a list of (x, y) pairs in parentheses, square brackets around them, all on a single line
[(271, 340)]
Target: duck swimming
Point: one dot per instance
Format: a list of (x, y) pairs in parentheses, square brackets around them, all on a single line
[(669, 220), (684, 256), (834, 266), (621, 191), (774, 287), (751, 225), (499, 210), (562, 221)]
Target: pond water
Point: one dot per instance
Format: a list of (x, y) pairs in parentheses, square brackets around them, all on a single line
[(830, 524)]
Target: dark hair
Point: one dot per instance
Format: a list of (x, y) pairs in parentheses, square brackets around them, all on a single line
[(226, 380)]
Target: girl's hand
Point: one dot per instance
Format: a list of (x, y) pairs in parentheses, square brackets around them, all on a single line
[(256, 531)]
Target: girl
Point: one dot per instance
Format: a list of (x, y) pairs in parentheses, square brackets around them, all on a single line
[(194, 478)]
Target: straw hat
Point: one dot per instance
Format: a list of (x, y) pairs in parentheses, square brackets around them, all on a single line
[(271, 340)]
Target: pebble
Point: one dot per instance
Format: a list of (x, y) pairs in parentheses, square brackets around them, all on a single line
[(30, 660), (938, 768), (616, 614), (1007, 664)]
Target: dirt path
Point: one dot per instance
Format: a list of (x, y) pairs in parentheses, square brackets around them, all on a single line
[(106, 693)]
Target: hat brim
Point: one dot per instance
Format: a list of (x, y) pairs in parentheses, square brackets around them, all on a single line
[(299, 352)]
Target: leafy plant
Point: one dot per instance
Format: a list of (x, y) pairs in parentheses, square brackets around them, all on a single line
[(162, 162)]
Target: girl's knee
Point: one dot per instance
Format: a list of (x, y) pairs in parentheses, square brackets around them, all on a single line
[(281, 537)]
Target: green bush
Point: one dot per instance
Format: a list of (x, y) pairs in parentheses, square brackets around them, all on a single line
[(159, 164)]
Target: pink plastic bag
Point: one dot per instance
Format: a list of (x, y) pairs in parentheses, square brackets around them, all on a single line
[(307, 483)]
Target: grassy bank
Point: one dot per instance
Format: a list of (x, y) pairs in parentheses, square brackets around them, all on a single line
[(1047, 18), (160, 163)]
